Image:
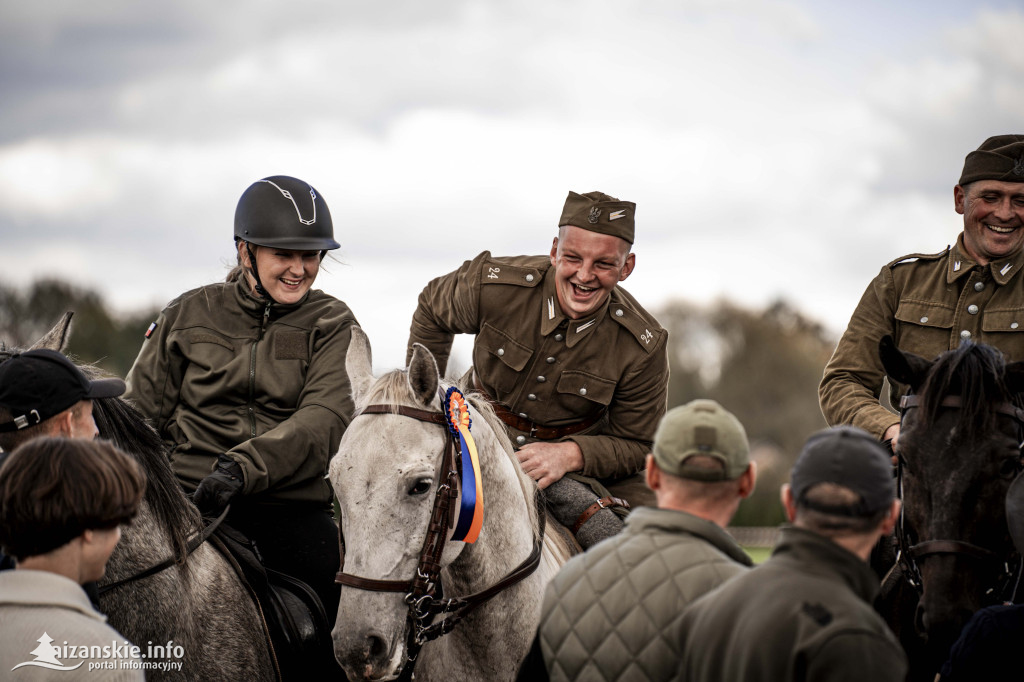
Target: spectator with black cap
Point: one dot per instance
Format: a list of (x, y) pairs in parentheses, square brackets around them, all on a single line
[(806, 613), (42, 393)]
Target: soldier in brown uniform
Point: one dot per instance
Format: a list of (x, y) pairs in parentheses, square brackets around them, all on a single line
[(577, 368), (929, 302)]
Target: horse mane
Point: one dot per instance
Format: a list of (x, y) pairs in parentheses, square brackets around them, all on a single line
[(120, 422), (976, 373), (393, 389)]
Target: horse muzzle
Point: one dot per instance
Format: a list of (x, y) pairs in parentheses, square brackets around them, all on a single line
[(369, 653)]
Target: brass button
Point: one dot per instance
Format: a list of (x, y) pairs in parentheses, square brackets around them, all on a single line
[(529, 278), (979, 286), (583, 391), (965, 334), (532, 396), (558, 337), (972, 309), (521, 440), (542, 379), (501, 351)]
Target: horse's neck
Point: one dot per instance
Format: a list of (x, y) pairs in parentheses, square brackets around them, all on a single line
[(506, 540)]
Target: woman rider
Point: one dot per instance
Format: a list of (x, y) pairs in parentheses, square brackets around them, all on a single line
[(245, 380)]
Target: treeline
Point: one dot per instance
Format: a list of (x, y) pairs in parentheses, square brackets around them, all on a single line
[(97, 336), (762, 365)]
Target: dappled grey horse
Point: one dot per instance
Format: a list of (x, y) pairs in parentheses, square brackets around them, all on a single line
[(197, 603), (387, 474)]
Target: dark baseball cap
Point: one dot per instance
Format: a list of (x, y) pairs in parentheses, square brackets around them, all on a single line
[(39, 384), (849, 457)]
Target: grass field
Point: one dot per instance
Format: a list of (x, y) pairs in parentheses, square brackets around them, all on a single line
[(758, 554)]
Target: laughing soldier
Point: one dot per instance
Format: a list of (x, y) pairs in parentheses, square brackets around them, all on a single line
[(930, 302), (575, 367)]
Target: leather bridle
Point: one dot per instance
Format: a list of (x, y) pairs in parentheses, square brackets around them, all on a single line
[(422, 590), (910, 554)]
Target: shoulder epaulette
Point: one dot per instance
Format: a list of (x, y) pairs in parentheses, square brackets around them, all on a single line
[(914, 257), (526, 271), (647, 332)]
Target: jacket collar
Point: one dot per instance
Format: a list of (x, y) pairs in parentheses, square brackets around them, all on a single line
[(551, 315), (43, 588), (673, 521), (822, 554), (960, 263)]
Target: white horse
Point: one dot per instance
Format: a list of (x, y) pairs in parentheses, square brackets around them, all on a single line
[(385, 475)]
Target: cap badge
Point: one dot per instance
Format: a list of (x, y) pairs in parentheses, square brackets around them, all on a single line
[(595, 213), (1018, 168), (615, 215)]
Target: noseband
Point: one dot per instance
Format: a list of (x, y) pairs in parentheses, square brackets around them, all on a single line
[(910, 554), (422, 589)]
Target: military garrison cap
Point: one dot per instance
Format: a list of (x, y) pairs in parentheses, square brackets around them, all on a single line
[(598, 212), (701, 427), (998, 158)]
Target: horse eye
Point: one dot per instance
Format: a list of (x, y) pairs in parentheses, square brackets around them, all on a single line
[(1010, 467), (420, 487)]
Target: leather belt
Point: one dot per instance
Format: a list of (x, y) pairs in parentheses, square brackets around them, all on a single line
[(535, 430), (602, 503)]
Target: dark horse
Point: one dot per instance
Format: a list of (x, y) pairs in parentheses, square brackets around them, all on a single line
[(198, 603), (958, 452)]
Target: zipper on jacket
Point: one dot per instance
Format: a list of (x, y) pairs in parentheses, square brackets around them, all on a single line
[(252, 372)]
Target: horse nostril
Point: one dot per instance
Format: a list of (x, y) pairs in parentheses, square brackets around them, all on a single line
[(921, 621), (375, 646)]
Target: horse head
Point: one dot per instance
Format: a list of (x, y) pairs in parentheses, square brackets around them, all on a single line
[(958, 451), (392, 473)]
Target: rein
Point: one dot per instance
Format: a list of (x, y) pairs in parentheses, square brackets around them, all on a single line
[(421, 590), (193, 544), (909, 554)]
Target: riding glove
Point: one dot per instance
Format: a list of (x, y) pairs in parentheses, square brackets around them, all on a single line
[(220, 487)]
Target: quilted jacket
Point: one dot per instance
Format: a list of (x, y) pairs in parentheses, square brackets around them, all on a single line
[(607, 613)]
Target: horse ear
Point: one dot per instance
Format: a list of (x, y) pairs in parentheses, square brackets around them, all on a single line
[(902, 366), (358, 363), (1015, 377), (423, 375), (56, 338)]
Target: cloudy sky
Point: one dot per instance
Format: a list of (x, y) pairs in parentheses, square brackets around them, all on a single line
[(774, 149)]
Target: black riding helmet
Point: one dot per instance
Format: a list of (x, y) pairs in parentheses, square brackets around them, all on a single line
[(285, 213)]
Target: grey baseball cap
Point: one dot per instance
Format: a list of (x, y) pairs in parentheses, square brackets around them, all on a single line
[(849, 457)]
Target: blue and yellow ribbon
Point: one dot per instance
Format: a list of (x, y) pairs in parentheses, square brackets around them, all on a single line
[(471, 502)]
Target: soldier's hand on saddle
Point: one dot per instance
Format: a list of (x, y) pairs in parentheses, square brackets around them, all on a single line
[(549, 462), (891, 435)]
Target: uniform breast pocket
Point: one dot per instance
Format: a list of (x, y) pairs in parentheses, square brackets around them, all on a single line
[(1004, 329), (498, 359), (211, 360), (583, 393), (923, 328)]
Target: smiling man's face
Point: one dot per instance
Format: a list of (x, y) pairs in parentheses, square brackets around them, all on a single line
[(993, 214), (587, 265)]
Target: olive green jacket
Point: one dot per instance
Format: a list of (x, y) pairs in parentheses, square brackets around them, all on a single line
[(222, 372), (804, 615), (608, 612), (548, 368), (927, 303)]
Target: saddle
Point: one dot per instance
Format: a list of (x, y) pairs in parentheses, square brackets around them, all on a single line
[(294, 619)]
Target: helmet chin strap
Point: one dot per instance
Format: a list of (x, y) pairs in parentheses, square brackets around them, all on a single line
[(256, 275)]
